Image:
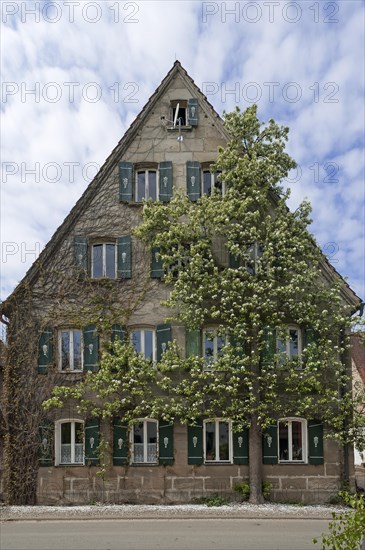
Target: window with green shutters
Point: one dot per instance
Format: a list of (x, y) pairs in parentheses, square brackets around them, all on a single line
[(240, 446), (165, 443), (163, 338), (125, 181), (46, 443), (165, 181), (195, 443), (192, 343), (193, 186), (156, 264), (92, 439), (69, 434), (91, 348), (270, 445), (124, 255), (217, 441), (120, 442), (45, 350), (315, 442), (292, 440), (193, 112)]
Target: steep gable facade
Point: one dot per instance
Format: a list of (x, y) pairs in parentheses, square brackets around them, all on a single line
[(93, 281)]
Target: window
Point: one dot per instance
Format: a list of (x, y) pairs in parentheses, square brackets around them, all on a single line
[(146, 185), (69, 442), (291, 347), (144, 439), (212, 346), (210, 181), (217, 441), (292, 440), (103, 260), (144, 342), (255, 252), (70, 350), (179, 112)]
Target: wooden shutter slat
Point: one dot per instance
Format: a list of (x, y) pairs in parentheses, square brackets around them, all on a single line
[(120, 442), (124, 254), (193, 112), (163, 333), (156, 263), (92, 439), (91, 348), (125, 181), (315, 442), (240, 447), (45, 350), (270, 445), (166, 443), (195, 444), (46, 443), (165, 192), (193, 186)]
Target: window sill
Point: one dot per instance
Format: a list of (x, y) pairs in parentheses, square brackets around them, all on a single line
[(292, 462), (186, 128), (218, 462), (70, 465), (139, 464)]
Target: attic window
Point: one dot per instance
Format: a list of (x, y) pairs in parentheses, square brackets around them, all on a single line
[(181, 116)]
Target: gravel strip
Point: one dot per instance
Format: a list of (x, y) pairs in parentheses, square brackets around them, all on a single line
[(191, 511)]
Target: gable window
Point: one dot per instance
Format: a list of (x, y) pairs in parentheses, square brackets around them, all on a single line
[(179, 114), (210, 182), (292, 440), (70, 350), (69, 442), (212, 346), (103, 260), (146, 185), (217, 441), (290, 347), (144, 342), (144, 440)]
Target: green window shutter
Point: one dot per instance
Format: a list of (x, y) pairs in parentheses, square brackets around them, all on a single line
[(92, 439), (163, 333), (193, 180), (165, 181), (156, 264), (270, 445), (91, 348), (315, 442), (234, 261), (195, 443), (124, 253), (45, 350), (118, 333), (193, 113), (120, 442), (269, 349), (46, 444), (238, 347), (192, 343), (125, 181), (166, 443), (240, 447), (80, 253)]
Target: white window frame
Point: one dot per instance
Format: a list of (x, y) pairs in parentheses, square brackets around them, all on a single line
[(208, 366), (145, 448), (104, 244), (287, 344), (254, 256), (290, 459), (183, 104), (146, 172), (142, 330), (71, 333), (230, 441), (73, 422), (212, 181)]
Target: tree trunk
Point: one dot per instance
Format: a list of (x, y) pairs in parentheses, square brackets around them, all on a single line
[(255, 437), (255, 472)]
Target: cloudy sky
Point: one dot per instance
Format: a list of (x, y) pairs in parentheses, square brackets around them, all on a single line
[(76, 73)]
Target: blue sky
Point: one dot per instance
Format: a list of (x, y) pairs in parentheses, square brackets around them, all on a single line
[(75, 75)]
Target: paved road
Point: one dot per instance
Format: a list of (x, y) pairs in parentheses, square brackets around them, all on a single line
[(159, 534)]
